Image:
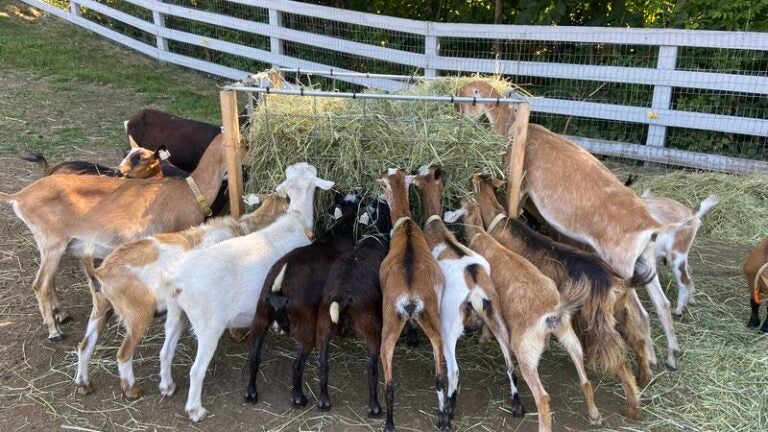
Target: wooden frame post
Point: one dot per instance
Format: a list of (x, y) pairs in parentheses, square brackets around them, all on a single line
[(232, 150), (517, 137)]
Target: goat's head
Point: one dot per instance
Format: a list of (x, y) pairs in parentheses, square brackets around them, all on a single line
[(346, 206), (143, 163), (377, 213), (430, 180), (396, 184), (484, 187), (477, 89), (300, 182), (469, 212)]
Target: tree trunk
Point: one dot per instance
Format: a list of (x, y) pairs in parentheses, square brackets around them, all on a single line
[(498, 15)]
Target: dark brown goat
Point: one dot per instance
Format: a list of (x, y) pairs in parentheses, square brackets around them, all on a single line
[(69, 167), (351, 303), (568, 266), (291, 295)]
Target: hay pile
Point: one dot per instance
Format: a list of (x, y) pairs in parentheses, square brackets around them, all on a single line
[(352, 141), (741, 216)]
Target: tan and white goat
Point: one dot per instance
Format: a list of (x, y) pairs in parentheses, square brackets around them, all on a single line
[(412, 287), (469, 300), (128, 281), (533, 309), (64, 212), (576, 194), (674, 246)]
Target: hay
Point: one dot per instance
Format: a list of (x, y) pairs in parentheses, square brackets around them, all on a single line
[(352, 141), (741, 216)]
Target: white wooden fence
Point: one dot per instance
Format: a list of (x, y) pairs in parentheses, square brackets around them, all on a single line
[(663, 78)]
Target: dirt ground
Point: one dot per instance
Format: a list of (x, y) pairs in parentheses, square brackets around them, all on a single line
[(36, 376)]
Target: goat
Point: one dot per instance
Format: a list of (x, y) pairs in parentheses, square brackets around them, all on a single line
[(66, 212), (754, 268), (128, 282), (674, 246), (351, 301), (290, 298), (218, 287), (469, 300), (533, 309), (412, 287), (145, 163), (69, 167), (592, 207), (568, 266)]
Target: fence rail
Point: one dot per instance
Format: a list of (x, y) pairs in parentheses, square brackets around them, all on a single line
[(658, 116)]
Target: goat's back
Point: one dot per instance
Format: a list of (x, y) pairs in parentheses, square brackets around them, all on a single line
[(409, 267)]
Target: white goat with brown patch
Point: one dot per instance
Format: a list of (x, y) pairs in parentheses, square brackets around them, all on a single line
[(65, 212), (412, 285), (469, 300), (533, 309), (592, 206), (128, 281)]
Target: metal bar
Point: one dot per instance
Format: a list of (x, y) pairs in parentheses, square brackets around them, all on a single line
[(333, 72), (352, 95)]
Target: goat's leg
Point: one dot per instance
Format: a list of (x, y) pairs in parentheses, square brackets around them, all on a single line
[(528, 349), (45, 284), (498, 328), (62, 316), (764, 327), (450, 332), (570, 342), (298, 399), (430, 325), (391, 330), (136, 322), (259, 332), (174, 326), (662, 306), (101, 311), (754, 317), (637, 328), (208, 334), (323, 337), (629, 385), (685, 285), (368, 328)]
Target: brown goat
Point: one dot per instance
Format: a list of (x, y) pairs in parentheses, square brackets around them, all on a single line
[(755, 266), (67, 212), (145, 163), (592, 206), (412, 285), (567, 266), (533, 309)]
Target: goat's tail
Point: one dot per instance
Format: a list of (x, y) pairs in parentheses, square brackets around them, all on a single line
[(631, 179), (573, 296), (604, 346), (642, 276), (705, 206), (277, 284), (90, 269), (6, 197), (35, 157)]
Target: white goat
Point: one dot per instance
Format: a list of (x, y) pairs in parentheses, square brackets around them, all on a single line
[(218, 287)]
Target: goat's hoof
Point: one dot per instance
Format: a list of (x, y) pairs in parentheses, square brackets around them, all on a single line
[(596, 421), (251, 396), (197, 414), (389, 427), (324, 405), (133, 393), (753, 322), (517, 407), (653, 367), (764, 328), (299, 402), (633, 413), (677, 353), (168, 389), (56, 337), (85, 389), (677, 315), (374, 411), (672, 366), (443, 421)]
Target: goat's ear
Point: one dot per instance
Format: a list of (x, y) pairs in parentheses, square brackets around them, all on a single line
[(280, 189), (409, 179), (337, 214), (453, 216), (438, 173), (364, 218), (383, 182), (132, 142), (323, 184)]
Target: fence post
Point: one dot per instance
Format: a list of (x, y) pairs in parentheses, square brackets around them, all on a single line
[(275, 44), (430, 50), (232, 141), (74, 7), (662, 97), (159, 20), (517, 137)]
